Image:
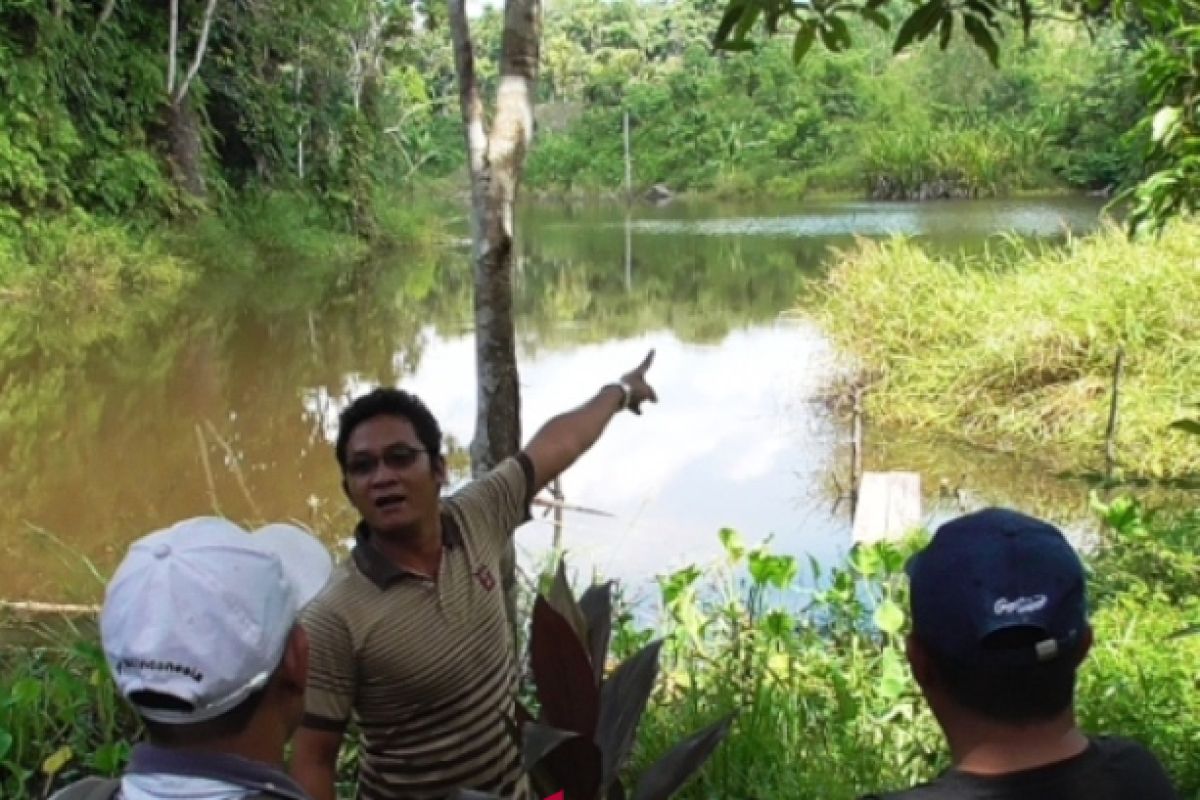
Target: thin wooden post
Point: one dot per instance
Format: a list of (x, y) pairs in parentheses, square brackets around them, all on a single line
[(628, 163), (557, 493), (856, 450), (628, 251), (1110, 435)]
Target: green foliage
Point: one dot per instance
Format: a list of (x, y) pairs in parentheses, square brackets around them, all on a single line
[(828, 708), (858, 120), (1017, 352), (60, 717), (84, 120), (812, 663), (1164, 30)]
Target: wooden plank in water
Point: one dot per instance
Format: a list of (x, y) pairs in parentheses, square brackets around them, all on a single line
[(889, 506)]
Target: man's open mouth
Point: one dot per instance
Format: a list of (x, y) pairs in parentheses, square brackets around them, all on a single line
[(389, 501)]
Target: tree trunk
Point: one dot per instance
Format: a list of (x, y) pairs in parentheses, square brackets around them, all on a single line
[(495, 164), (187, 149)]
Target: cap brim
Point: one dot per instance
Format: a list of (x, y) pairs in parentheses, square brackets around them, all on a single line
[(306, 563)]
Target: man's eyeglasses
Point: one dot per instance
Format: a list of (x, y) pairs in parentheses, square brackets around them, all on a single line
[(399, 457)]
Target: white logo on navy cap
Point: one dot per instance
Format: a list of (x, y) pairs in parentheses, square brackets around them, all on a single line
[(1019, 605)]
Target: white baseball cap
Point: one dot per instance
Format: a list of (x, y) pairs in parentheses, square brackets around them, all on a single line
[(202, 612)]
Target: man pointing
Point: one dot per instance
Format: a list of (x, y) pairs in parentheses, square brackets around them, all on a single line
[(411, 639)]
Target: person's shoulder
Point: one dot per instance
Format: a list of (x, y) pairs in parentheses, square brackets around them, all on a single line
[(346, 590), (1118, 748), (1128, 757)]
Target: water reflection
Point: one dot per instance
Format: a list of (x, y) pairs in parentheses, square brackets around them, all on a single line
[(733, 443), (221, 396)]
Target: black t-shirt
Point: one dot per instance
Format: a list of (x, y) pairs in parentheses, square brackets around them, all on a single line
[(1109, 769)]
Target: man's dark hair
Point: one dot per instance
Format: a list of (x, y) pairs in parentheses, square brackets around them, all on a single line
[(1015, 695), (163, 734), (392, 403)]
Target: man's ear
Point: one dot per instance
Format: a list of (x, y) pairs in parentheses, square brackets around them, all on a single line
[(1085, 645), (438, 464), (919, 661), (293, 669)]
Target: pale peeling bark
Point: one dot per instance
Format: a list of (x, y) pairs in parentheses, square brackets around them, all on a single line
[(183, 127), (495, 162), (180, 91)]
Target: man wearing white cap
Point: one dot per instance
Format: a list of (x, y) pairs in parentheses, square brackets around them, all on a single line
[(200, 630)]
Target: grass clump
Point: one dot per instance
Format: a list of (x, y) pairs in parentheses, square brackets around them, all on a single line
[(1017, 352), (826, 705)]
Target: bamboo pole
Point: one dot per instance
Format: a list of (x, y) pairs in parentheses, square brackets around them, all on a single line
[(856, 450), (1110, 434), (628, 163)]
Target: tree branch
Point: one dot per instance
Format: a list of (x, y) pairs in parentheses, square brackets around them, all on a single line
[(468, 89), (201, 47), (106, 12), (172, 48)]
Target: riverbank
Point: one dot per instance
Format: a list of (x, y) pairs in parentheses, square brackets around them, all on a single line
[(1016, 351), (825, 704)]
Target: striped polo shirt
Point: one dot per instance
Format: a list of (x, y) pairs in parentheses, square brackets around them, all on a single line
[(425, 667)]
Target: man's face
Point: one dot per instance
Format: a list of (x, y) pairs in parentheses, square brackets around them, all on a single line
[(389, 477)]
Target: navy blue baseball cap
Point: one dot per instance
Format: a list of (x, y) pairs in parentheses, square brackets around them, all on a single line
[(994, 570)]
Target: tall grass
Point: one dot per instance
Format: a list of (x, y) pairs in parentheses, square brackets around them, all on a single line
[(826, 705), (1017, 353), (966, 161)]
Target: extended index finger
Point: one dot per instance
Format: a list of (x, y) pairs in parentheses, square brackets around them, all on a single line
[(646, 362)]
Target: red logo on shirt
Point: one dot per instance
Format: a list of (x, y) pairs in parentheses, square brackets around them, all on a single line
[(484, 576), (556, 796)]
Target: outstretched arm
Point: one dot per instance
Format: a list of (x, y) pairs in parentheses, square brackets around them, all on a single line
[(569, 435)]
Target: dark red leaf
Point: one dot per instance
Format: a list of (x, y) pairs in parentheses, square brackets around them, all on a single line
[(562, 673), (574, 767), (623, 699), (539, 740), (596, 605), (669, 773)]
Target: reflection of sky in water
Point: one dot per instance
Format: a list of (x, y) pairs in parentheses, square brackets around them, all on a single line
[(733, 443), (885, 219)]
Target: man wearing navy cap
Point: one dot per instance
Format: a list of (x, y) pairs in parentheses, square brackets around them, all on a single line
[(999, 611)]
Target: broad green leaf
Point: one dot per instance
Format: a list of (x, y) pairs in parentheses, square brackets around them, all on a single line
[(733, 544), (26, 692), (982, 37), (893, 680), (1187, 426), (946, 29), (735, 45), (57, 760), (733, 12), (748, 18), (1192, 630), (876, 18), (803, 41), (6, 741), (839, 32), (889, 617), (1163, 123), (919, 24)]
